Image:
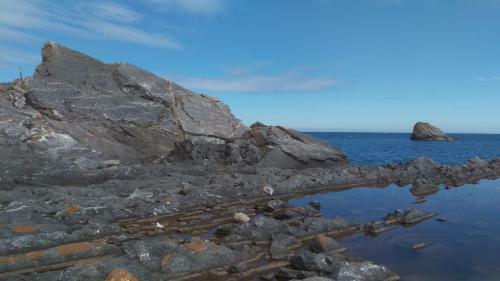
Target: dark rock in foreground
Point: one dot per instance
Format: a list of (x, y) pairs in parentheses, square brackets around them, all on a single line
[(427, 132)]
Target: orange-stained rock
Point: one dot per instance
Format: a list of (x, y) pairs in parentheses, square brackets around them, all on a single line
[(35, 255), (165, 262), (75, 248), (25, 229), (120, 274), (322, 243), (73, 209), (9, 260), (196, 245)]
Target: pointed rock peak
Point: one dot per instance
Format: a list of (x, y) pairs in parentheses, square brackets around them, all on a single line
[(64, 64)]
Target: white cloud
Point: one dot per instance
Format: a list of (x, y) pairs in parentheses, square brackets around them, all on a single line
[(11, 56), (12, 34), (131, 34), (114, 11), (489, 78), (208, 7), (260, 83), (90, 20)]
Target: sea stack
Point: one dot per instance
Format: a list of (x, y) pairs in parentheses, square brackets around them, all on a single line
[(426, 132)]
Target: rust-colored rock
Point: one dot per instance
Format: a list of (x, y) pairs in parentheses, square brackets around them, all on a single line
[(165, 262), (25, 229), (196, 245), (76, 248), (73, 209), (35, 255), (120, 274)]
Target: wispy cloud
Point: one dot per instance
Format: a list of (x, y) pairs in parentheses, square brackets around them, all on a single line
[(131, 34), (113, 11), (13, 56), (12, 34), (488, 78), (252, 83), (91, 20), (207, 7)]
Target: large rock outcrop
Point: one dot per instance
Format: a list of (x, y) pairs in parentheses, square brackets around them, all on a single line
[(427, 132), (77, 117)]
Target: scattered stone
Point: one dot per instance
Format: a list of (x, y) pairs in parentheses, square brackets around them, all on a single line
[(274, 205), (407, 217), (185, 188), (241, 217), (376, 227), (419, 201), (315, 204), (120, 274), (267, 189), (109, 163), (322, 244), (421, 245)]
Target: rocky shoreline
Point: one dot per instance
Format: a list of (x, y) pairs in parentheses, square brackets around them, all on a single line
[(111, 173)]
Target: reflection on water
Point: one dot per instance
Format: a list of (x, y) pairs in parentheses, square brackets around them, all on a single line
[(465, 247)]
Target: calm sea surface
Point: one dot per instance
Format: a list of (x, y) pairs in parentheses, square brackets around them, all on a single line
[(380, 148), (464, 247)]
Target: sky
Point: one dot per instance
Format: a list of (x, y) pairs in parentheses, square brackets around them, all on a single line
[(311, 65)]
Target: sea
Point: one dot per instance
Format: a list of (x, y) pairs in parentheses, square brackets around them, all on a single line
[(464, 244)]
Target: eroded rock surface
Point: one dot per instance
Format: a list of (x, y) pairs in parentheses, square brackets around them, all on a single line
[(77, 114)]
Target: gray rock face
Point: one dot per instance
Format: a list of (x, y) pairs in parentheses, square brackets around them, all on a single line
[(77, 113), (428, 132)]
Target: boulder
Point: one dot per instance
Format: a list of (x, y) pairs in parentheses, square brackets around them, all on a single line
[(427, 132)]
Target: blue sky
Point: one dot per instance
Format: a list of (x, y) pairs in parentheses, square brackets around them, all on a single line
[(339, 65)]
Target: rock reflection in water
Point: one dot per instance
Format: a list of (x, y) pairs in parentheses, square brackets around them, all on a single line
[(464, 237)]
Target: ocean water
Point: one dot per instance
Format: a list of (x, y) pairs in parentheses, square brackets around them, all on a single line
[(381, 148), (466, 247)]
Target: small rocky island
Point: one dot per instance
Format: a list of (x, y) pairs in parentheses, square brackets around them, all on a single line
[(426, 132), (112, 173)]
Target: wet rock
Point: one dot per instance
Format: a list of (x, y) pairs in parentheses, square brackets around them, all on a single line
[(322, 244), (421, 245), (315, 204), (315, 262), (423, 189), (364, 271), (376, 227), (410, 216), (428, 132)]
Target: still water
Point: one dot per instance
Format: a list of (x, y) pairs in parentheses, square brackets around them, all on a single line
[(464, 247)]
